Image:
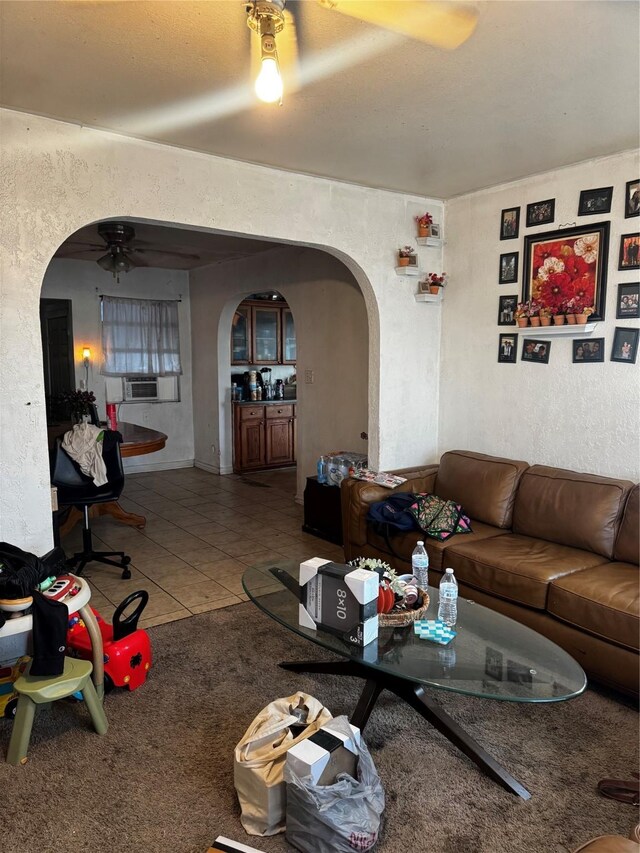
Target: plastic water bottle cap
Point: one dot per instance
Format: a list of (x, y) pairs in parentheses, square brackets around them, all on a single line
[(449, 571)]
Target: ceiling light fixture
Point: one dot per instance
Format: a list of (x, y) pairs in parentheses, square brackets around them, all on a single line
[(266, 19), (115, 261)]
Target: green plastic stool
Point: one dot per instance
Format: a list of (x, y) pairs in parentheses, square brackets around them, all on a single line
[(41, 690)]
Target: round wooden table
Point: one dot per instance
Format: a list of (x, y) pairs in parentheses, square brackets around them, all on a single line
[(136, 441)]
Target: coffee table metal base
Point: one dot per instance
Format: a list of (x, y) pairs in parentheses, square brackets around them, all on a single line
[(414, 694)]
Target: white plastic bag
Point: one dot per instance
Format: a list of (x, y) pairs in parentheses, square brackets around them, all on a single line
[(337, 818), (260, 756)]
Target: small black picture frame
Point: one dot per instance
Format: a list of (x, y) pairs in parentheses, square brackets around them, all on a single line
[(628, 304), (632, 199), (510, 223), (588, 352), (508, 270), (625, 345), (535, 350), (595, 201), (541, 212), (508, 349), (93, 414), (506, 310), (592, 350), (629, 258)]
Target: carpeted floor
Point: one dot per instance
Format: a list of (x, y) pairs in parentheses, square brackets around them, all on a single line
[(161, 780)]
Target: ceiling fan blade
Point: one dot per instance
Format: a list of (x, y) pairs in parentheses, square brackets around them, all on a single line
[(88, 247), (63, 253), (442, 23), (169, 253)]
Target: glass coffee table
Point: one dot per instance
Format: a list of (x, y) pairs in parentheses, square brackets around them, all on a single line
[(492, 657)]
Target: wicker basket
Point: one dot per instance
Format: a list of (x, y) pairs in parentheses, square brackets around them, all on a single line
[(404, 617)]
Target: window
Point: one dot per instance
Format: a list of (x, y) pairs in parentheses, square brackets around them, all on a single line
[(140, 337)]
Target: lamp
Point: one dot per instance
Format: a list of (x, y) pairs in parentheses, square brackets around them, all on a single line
[(86, 355), (115, 261), (266, 19)]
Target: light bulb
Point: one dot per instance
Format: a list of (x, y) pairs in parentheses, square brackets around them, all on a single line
[(86, 353), (269, 81)]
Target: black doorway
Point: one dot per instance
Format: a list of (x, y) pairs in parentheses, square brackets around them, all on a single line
[(56, 327)]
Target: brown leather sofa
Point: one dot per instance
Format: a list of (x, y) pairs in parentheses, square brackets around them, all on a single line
[(553, 549)]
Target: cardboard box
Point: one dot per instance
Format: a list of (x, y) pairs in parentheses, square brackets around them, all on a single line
[(324, 755), (339, 599)]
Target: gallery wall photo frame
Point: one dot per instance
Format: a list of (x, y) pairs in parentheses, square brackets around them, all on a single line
[(625, 345), (507, 309), (595, 201), (629, 258), (628, 303), (632, 198), (508, 349), (535, 350), (570, 263), (510, 223), (588, 352), (508, 269), (541, 212)]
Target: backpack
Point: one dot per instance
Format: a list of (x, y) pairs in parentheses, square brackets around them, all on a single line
[(439, 518), (394, 512)]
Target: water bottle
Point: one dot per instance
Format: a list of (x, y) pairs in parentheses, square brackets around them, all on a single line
[(420, 565), (322, 469), (448, 604)]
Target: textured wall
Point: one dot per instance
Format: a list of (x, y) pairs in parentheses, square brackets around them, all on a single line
[(332, 341), (579, 416), (57, 177), (83, 282)]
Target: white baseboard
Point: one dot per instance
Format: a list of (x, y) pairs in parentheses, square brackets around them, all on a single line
[(213, 469), (141, 467)]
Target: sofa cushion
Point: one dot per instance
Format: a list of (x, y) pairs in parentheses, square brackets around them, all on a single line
[(484, 485), (577, 510), (602, 600), (627, 547), (517, 568), (404, 544)]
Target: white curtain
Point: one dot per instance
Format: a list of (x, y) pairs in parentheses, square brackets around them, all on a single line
[(140, 337)]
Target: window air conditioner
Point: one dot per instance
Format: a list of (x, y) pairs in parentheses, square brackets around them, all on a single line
[(140, 389)]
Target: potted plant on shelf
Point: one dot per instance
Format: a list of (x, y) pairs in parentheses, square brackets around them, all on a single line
[(534, 312), (406, 256), (584, 315), (545, 315), (522, 313), (424, 224), (435, 281)]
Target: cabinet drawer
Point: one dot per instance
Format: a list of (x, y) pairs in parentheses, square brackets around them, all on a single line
[(251, 413), (279, 412)]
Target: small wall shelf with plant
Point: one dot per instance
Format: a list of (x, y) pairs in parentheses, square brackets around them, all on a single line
[(407, 263), (428, 230)]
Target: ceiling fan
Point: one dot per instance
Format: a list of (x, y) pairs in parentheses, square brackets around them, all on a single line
[(442, 23), (123, 251)]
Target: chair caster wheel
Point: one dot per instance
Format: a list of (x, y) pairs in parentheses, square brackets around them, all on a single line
[(126, 561), (126, 574)]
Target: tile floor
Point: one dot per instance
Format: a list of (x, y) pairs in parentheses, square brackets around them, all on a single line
[(202, 532)]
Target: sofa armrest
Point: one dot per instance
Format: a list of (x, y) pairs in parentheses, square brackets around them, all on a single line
[(356, 496)]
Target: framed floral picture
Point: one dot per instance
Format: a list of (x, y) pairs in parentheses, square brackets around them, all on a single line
[(510, 223), (629, 252), (566, 270), (541, 212), (508, 272)]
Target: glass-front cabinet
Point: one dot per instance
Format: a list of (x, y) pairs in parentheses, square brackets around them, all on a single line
[(288, 338), (241, 336), (266, 335), (263, 334)]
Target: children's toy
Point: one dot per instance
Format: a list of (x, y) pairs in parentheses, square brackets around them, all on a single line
[(8, 696), (127, 648), (434, 630)]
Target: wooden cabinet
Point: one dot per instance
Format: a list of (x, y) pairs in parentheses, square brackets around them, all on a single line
[(263, 333), (263, 436)]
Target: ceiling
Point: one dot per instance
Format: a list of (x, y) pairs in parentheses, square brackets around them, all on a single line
[(537, 86), (165, 247)]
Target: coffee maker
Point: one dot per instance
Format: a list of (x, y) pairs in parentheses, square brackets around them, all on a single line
[(267, 387)]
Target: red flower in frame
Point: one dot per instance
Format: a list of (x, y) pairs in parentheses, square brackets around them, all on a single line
[(584, 289), (555, 290), (542, 251), (576, 266)]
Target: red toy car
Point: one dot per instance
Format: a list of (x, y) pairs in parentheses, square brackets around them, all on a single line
[(127, 648)]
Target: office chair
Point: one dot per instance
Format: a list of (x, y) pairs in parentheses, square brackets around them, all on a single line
[(76, 489)]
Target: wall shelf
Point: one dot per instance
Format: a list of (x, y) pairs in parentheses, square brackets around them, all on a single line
[(412, 269), (428, 241), (428, 297), (573, 329)]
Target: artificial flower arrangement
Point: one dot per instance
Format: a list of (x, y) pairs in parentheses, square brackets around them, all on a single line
[(425, 220), (406, 252), (528, 308), (399, 598), (77, 402), (435, 279), (565, 270)]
